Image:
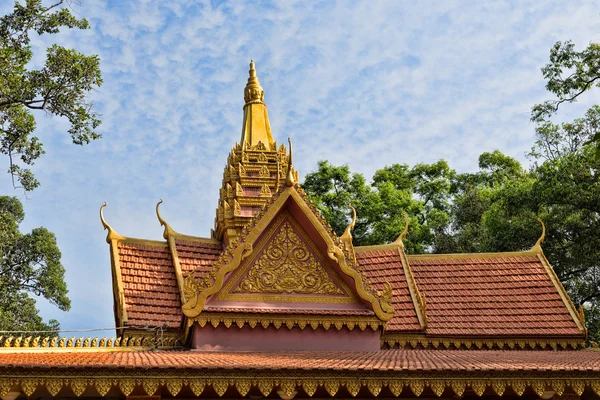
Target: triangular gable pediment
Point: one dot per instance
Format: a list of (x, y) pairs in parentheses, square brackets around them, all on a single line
[(287, 267), (238, 271)]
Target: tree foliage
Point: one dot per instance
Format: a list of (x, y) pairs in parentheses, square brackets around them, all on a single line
[(492, 210), (569, 74), (59, 87), (29, 264)]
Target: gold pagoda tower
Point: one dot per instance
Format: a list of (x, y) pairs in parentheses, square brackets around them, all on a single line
[(255, 166)]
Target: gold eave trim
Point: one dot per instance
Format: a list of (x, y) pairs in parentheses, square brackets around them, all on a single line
[(176, 266), (562, 292), (523, 343), (289, 381), (290, 321)]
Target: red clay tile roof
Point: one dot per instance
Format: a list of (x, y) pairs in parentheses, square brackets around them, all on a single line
[(401, 361), (150, 285), (149, 280), (197, 256), (491, 296), (382, 266)]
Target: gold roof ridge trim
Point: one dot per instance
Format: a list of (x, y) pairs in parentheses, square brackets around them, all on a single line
[(170, 232), (112, 234), (289, 176), (418, 299), (241, 248), (579, 322), (537, 247), (54, 343), (399, 240)]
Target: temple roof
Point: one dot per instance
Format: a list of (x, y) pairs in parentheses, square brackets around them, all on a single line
[(400, 360)]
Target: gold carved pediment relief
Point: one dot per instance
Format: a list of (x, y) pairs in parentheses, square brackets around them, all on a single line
[(287, 266)]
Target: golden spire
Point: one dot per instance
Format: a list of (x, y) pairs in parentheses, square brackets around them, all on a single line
[(256, 127)]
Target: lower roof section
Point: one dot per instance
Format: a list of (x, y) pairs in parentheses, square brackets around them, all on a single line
[(397, 360)]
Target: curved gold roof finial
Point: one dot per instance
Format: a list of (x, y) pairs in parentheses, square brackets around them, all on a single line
[(289, 177), (347, 236), (400, 239), (537, 247), (111, 232), (253, 92), (164, 223)]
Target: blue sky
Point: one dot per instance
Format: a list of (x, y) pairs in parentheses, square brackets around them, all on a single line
[(366, 83)]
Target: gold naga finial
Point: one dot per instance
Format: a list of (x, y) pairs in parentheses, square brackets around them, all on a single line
[(400, 239), (168, 231), (347, 236), (253, 92), (111, 232), (537, 247), (289, 177)]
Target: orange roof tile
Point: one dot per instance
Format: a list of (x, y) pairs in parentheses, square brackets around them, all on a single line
[(491, 296), (382, 266), (149, 285), (197, 256), (386, 360)]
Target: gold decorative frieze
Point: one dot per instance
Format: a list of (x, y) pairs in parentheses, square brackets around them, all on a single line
[(80, 382), (144, 340)]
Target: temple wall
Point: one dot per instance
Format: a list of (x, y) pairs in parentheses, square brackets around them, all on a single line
[(208, 338)]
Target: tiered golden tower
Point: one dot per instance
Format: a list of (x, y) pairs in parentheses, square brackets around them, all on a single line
[(255, 167)]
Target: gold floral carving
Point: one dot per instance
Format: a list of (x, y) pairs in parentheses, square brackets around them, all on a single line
[(150, 386), (102, 386), (519, 387), (53, 386), (353, 387), (416, 387), (478, 387), (174, 386), (437, 387), (28, 386), (539, 387), (595, 385), (126, 386), (559, 387), (577, 386), (264, 172), (78, 386), (458, 387), (265, 386), (220, 386), (243, 386), (396, 387), (499, 387), (374, 387), (310, 387), (332, 387), (197, 386), (288, 266), (288, 388)]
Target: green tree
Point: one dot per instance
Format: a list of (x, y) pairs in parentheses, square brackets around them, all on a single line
[(29, 264), (58, 88), (569, 74)]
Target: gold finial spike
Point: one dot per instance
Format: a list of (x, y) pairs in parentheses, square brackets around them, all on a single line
[(111, 232), (289, 177), (400, 239), (537, 247), (347, 236), (168, 231), (253, 92)]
